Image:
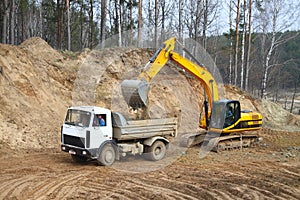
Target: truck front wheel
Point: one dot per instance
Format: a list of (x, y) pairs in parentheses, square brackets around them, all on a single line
[(107, 155), (156, 152)]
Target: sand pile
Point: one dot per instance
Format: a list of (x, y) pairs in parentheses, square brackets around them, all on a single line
[(35, 90)]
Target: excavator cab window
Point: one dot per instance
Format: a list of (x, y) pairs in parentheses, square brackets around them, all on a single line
[(232, 113), (217, 113)]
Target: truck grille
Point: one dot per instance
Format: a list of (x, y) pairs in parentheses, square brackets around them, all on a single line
[(74, 141)]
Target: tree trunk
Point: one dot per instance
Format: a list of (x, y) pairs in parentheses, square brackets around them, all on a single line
[(180, 21), (81, 25), (249, 46), (267, 65), (91, 25), (63, 24), (130, 23), (163, 16), (197, 21), (4, 22), (12, 22), (118, 21), (140, 22), (237, 19), (116, 18), (23, 35), (103, 20), (294, 94), (205, 21), (119, 25), (243, 45), (149, 32), (58, 42), (41, 22), (68, 24), (231, 45), (156, 23), (285, 102)]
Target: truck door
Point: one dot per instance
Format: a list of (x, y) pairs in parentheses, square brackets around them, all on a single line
[(101, 130)]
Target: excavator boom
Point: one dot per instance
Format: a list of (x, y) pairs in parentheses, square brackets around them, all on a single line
[(135, 92)]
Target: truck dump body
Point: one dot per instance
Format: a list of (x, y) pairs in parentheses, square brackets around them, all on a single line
[(141, 129)]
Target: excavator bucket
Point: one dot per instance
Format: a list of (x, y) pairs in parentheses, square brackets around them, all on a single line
[(135, 93)]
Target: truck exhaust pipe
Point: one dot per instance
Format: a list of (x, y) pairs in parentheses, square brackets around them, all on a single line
[(135, 93)]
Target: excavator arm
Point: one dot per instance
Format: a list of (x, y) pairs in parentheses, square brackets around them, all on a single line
[(135, 92)]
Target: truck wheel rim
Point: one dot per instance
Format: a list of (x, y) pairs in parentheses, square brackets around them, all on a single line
[(157, 151), (109, 156)]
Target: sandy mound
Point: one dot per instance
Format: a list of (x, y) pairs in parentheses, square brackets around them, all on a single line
[(35, 90), (275, 117)]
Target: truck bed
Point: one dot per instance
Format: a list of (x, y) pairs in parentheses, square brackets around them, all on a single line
[(139, 129)]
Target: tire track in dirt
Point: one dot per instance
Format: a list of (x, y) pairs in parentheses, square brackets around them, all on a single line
[(124, 186), (262, 180), (172, 193), (47, 176), (15, 187), (58, 184), (40, 176), (116, 186), (99, 189), (40, 186)]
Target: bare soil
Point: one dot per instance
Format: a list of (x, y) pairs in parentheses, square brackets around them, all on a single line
[(39, 83), (268, 171)]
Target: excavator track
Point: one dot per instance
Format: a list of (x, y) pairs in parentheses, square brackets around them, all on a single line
[(235, 142), (219, 143)]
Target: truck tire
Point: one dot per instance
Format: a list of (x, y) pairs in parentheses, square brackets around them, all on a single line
[(107, 155), (156, 152), (79, 159)]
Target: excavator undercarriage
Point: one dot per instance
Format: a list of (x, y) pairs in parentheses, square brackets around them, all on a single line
[(217, 142)]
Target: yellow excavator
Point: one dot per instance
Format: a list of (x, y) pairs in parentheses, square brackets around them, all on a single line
[(223, 120)]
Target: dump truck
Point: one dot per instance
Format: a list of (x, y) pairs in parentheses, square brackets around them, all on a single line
[(95, 133)]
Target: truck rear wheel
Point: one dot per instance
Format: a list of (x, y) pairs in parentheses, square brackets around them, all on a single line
[(107, 155), (156, 152)]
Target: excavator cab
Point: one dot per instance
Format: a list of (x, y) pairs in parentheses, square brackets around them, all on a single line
[(225, 113)]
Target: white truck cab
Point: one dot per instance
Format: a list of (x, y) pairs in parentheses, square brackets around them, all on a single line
[(91, 132)]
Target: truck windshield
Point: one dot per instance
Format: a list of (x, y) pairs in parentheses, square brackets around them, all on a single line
[(78, 118)]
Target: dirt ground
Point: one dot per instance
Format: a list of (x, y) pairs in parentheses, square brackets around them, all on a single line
[(268, 171), (38, 83)]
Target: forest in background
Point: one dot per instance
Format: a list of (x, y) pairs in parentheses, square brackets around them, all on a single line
[(254, 43)]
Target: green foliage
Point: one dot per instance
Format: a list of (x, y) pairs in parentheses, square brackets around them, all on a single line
[(290, 57)]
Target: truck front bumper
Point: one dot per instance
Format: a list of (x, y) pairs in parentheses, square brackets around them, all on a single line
[(75, 150)]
